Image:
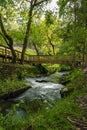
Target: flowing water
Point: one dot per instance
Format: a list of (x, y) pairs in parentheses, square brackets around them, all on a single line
[(43, 89)]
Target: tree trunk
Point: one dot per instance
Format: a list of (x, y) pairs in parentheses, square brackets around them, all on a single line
[(50, 42), (75, 40), (8, 39), (36, 48), (12, 51), (27, 34), (33, 3)]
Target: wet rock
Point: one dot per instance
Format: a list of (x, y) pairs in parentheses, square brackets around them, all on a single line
[(13, 94), (64, 82), (66, 91), (41, 81), (63, 79)]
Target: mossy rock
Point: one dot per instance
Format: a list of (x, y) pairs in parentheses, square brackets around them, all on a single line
[(66, 91)]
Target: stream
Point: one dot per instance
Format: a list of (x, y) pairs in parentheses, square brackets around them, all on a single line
[(44, 89)]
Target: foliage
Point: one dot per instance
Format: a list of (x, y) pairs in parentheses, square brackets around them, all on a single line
[(9, 85), (77, 80), (54, 118), (76, 73), (73, 28), (40, 117), (21, 14), (13, 76), (37, 36), (52, 68), (65, 68), (67, 36)]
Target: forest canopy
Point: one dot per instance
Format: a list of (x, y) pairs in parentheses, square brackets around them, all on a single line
[(30, 25)]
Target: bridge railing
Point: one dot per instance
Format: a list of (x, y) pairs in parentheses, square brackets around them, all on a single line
[(50, 59), (38, 59), (5, 52)]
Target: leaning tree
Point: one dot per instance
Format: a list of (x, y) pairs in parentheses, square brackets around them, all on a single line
[(34, 5)]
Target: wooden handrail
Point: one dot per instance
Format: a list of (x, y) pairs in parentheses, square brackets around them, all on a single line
[(5, 53)]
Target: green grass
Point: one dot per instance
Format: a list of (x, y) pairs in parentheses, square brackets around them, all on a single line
[(54, 118), (46, 118), (9, 85)]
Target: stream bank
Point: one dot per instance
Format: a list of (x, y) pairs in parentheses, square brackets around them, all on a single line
[(62, 116), (13, 94), (40, 90)]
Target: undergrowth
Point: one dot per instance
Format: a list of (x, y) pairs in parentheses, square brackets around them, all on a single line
[(8, 85), (46, 118)]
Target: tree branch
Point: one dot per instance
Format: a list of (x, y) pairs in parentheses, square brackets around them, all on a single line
[(4, 31), (4, 38), (35, 48)]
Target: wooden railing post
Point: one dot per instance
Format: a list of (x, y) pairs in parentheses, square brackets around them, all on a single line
[(5, 54)]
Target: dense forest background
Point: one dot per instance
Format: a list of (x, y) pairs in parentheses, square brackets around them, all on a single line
[(31, 25)]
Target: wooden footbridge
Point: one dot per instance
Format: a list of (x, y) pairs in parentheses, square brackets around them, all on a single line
[(6, 56)]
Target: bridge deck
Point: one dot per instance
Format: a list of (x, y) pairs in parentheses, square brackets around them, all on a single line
[(6, 55)]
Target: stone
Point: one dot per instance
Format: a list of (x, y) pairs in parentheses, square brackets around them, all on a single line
[(66, 91)]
